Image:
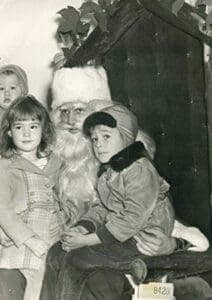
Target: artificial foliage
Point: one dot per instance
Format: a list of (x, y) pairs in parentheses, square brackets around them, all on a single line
[(75, 25)]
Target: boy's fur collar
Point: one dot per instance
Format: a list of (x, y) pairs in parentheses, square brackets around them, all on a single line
[(125, 158)]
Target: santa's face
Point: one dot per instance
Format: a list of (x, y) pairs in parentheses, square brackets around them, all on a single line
[(70, 116)]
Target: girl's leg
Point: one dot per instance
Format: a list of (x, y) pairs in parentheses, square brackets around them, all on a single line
[(34, 279)]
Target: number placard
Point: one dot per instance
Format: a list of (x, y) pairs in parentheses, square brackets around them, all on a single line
[(154, 290)]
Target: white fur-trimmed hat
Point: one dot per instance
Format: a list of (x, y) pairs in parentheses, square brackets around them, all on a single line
[(80, 83)]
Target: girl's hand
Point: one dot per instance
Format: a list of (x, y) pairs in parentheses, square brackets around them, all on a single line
[(37, 246), (5, 241)]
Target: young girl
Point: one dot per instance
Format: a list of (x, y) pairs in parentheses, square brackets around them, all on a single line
[(29, 214), (13, 84), (133, 198)]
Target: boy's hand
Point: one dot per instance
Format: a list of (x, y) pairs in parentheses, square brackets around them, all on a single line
[(76, 229), (77, 240), (37, 246), (73, 240)]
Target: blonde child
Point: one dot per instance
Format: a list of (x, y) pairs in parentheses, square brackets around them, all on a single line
[(133, 198), (29, 214), (13, 84)]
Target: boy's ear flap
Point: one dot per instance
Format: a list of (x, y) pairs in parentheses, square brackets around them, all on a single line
[(9, 133)]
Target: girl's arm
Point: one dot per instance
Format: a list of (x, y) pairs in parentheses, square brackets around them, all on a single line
[(11, 223), (37, 246)]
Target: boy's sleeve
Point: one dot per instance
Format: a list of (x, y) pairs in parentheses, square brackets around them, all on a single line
[(11, 223), (95, 216), (142, 190)]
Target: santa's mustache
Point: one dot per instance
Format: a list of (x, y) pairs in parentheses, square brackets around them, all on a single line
[(71, 146)]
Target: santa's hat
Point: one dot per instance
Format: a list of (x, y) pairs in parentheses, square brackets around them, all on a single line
[(80, 84)]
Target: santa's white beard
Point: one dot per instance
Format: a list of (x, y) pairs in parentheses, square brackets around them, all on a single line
[(78, 176)]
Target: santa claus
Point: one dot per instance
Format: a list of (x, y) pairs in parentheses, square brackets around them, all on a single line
[(76, 93)]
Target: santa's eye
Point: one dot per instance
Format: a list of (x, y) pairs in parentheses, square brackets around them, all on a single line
[(79, 110), (94, 139), (64, 112)]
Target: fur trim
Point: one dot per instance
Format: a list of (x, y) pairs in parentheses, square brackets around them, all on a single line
[(80, 84), (125, 158)]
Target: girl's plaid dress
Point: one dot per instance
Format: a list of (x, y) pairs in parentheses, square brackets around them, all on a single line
[(41, 213)]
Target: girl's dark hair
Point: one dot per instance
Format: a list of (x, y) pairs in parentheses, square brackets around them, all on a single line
[(22, 109)]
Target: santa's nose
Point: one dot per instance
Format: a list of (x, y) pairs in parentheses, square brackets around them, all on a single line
[(71, 118), (67, 117)]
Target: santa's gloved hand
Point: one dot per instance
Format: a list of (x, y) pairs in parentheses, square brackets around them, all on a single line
[(193, 235)]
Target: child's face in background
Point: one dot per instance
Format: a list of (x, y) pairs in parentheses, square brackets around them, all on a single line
[(106, 142), (26, 136), (10, 89)]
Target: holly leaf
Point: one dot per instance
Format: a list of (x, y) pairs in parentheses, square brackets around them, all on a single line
[(177, 5), (104, 3), (68, 12), (102, 20), (70, 19), (89, 7), (65, 27), (83, 28)]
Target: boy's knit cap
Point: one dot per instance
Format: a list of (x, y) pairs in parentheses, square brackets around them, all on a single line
[(84, 84), (20, 73), (114, 116)]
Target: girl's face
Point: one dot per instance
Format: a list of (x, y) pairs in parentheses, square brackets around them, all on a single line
[(106, 142), (10, 89), (26, 136)]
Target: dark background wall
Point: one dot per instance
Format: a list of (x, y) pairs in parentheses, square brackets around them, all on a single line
[(157, 70)]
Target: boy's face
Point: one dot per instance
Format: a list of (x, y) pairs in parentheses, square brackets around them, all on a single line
[(10, 89), (106, 142)]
